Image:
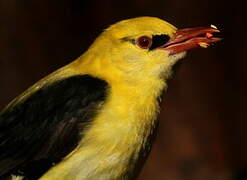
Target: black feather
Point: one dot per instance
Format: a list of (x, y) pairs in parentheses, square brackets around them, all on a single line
[(159, 40), (44, 128)]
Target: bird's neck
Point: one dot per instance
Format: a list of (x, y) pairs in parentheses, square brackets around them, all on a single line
[(120, 136), (118, 139)]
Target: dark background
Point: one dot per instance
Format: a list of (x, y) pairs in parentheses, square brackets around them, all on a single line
[(202, 134)]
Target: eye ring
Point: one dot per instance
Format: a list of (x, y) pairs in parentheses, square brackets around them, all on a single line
[(144, 42)]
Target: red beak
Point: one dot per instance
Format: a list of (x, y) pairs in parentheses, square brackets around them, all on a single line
[(191, 38)]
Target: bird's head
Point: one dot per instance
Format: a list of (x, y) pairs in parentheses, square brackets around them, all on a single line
[(146, 47)]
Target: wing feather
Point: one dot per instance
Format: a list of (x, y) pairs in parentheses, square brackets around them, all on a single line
[(44, 128)]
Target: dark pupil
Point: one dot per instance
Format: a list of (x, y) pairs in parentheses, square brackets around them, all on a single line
[(144, 42)]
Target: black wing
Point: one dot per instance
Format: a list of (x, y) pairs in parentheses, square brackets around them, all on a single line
[(44, 128)]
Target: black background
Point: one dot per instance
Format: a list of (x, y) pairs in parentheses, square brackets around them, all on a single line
[(202, 131)]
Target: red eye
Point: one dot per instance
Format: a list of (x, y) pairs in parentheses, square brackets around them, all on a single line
[(144, 42)]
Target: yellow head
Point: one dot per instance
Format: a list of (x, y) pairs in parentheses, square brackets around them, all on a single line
[(136, 48), (129, 46)]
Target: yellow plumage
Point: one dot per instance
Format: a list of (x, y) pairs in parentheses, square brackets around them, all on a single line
[(119, 138), (130, 111)]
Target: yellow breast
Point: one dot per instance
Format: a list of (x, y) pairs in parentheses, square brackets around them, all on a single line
[(110, 146), (115, 137)]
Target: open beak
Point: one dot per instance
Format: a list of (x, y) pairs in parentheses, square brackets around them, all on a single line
[(191, 38)]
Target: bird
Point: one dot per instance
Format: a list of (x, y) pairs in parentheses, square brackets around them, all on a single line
[(96, 118)]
